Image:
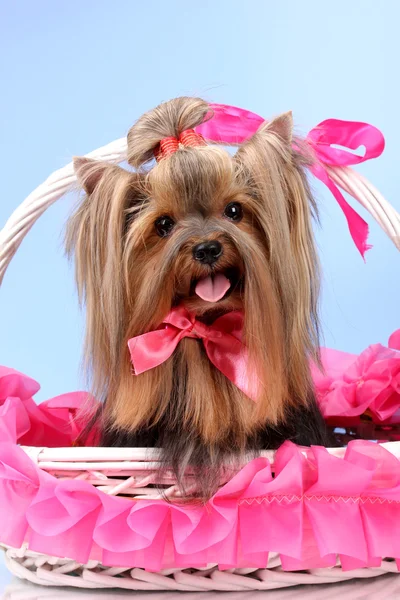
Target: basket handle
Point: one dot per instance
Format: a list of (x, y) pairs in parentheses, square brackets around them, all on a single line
[(63, 180), (370, 198)]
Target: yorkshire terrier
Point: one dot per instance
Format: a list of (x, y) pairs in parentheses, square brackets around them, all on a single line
[(211, 234)]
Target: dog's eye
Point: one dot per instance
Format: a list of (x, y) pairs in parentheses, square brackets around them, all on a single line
[(164, 225), (234, 211)]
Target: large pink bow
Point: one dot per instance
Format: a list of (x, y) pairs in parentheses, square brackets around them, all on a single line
[(232, 125), (222, 342)]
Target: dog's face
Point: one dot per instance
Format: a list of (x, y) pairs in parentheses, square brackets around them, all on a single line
[(191, 233), (194, 235)]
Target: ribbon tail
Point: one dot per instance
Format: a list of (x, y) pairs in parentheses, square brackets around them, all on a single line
[(357, 226), (232, 361), (152, 349)]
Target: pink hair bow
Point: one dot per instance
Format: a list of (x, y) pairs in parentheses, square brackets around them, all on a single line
[(232, 125), (222, 342)]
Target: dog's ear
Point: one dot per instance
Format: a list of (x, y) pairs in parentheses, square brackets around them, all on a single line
[(89, 172), (277, 134), (281, 126)]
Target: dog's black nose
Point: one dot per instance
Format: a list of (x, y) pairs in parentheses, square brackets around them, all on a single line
[(207, 252)]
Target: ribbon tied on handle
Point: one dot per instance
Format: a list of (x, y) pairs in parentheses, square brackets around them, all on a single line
[(350, 134), (232, 125), (222, 342)]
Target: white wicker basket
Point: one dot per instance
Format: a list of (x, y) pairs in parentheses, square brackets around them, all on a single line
[(130, 472), (387, 588)]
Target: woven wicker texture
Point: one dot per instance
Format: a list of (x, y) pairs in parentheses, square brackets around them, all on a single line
[(386, 587), (127, 471), (47, 570)]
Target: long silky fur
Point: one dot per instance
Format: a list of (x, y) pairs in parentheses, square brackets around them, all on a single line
[(129, 278)]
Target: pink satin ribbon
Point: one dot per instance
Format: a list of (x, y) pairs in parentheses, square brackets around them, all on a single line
[(222, 342), (232, 125)]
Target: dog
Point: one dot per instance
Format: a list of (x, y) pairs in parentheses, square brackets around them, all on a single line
[(193, 228)]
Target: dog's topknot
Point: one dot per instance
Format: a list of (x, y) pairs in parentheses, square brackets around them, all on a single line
[(167, 119)]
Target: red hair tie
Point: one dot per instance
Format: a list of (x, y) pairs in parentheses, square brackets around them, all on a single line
[(169, 145)]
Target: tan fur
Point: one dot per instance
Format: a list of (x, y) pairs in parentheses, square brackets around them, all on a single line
[(129, 278)]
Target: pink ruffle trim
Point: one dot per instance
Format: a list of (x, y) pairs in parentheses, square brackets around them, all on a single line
[(315, 508)]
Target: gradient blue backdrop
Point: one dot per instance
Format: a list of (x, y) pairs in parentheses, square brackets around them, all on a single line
[(75, 75)]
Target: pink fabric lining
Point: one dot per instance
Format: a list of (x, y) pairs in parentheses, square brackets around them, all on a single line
[(316, 506), (352, 385)]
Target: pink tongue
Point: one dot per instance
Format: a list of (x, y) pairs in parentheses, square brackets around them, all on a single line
[(212, 289)]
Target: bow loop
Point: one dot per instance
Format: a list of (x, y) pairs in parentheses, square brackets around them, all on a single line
[(348, 134)]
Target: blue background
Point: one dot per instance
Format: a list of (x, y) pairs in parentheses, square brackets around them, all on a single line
[(75, 75)]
